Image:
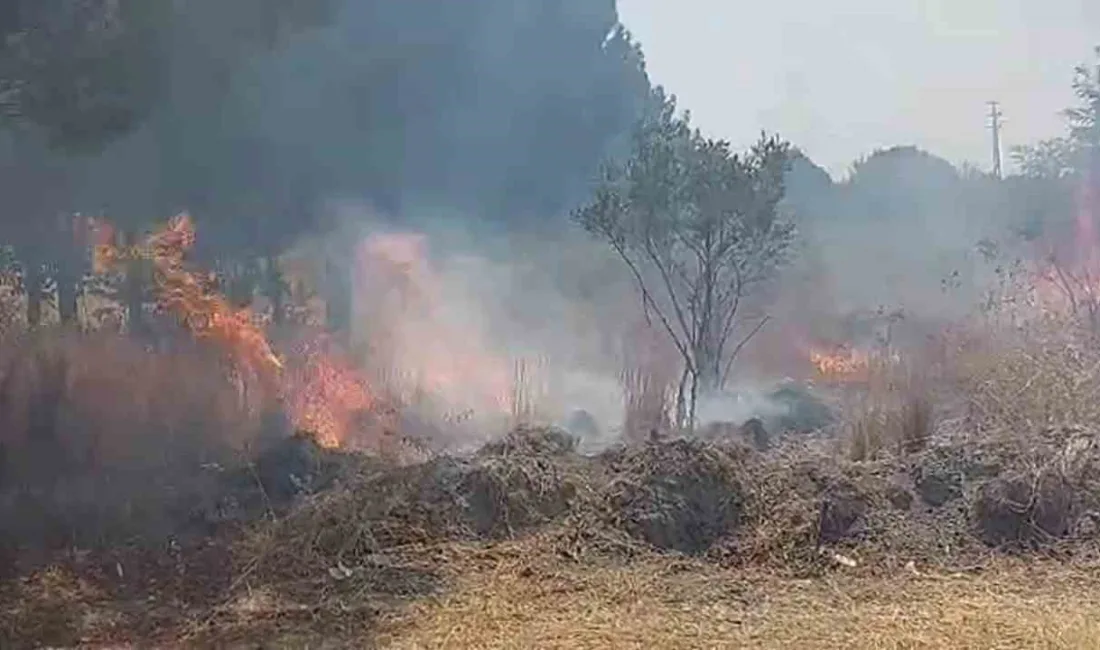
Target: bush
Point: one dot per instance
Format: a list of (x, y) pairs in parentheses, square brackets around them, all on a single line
[(682, 495)]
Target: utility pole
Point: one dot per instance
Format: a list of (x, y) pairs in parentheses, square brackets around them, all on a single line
[(995, 124)]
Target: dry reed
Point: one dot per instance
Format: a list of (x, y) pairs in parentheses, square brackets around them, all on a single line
[(892, 414)]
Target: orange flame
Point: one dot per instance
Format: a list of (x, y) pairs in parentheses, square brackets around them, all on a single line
[(204, 312), (322, 394), (843, 364)]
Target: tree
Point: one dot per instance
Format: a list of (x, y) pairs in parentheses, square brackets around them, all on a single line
[(86, 72), (250, 115), (88, 94), (1060, 189), (1084, 119), (904, 182), (1077, 153), (1051, 158), (699, 227)]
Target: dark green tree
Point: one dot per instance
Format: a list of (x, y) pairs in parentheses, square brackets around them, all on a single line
[(700, 229)]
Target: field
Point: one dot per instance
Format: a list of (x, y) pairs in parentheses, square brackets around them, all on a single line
[(947, 497), (460, 331), (669, 543), (663, 604)]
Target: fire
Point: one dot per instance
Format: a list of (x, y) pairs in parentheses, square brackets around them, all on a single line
[(1068, 283), (843, 364), (322, 394), (408, 313), (190, 297)]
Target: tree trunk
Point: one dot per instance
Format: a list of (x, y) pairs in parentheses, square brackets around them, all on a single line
[(275, 287), (681, 398), (709, 380), (32, 286), (133, 295), (68, 293), (337, 297), (694, 403)]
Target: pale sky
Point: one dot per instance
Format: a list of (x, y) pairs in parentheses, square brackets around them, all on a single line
[(841, 77)]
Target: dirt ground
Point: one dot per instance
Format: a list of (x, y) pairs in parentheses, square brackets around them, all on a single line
[(516, 595), (523, 602), (671, 544)]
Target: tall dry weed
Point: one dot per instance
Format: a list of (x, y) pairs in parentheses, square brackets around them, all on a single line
[(648, 378), (530, 391), (98, 433), (893, 413), (1042, 375), (648, 400)]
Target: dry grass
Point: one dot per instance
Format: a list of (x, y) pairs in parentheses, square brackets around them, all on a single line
[(80, 465), (522, 594), (648, 379), (527, 544), (340, 546), (1041, 377), (524, 601), (647, 403), (892, 414), (530, 391)]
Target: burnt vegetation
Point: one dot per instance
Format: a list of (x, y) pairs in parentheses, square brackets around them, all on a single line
[(155, 486)]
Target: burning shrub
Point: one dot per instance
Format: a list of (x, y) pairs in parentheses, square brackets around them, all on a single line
[(285, 468), (681, 495)]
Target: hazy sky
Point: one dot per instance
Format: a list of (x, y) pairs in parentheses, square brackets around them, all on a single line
[(842, 77)]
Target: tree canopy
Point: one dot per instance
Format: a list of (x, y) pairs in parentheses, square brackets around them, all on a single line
[(251, 115), (699, 227)]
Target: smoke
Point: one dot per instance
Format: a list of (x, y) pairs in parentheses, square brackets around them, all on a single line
[(741, 403), (899, 236), (497, 109), (470, 129), (489, 326), (456, 122)]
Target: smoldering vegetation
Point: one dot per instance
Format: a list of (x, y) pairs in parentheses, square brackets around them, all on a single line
[(383, 351), (332, 538)]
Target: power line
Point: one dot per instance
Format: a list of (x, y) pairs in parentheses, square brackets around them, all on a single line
[(995, 116)]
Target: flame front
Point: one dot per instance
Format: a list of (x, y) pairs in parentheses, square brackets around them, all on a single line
[(1068, 281), (843, 364), (324, 394), (190, 297), (321, 393)]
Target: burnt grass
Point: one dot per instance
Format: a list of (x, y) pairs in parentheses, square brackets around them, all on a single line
[(334, 538)]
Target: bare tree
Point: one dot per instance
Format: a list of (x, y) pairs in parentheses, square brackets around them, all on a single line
[(699, 227)]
